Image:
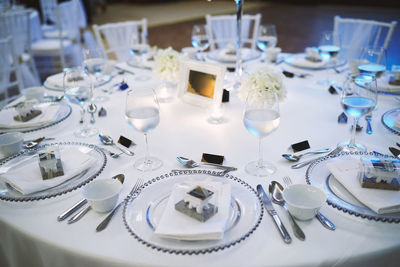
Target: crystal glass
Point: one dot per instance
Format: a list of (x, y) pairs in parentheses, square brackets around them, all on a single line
[(143, 114), (358, 98), (94, 63), (329, 48), (139, 49), (267, 37), (78, 90), (261, 117), (200, 38), (373, 60)]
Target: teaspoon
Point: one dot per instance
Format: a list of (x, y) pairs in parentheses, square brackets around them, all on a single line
[(193, 164), (293, 157), (107, 140)]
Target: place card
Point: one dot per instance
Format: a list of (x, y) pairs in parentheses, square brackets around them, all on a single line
[(288, 74), (102, 112), (342, 118), (225, 96), (125, 141), (332, 90), (300, 146), (211, 158)]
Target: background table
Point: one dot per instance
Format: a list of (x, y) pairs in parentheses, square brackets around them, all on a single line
[(31, 235)]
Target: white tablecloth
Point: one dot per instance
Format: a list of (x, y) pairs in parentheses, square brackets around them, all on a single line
[(31, 235)]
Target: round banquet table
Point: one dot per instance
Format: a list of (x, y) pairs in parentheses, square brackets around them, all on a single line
[(31, 235)]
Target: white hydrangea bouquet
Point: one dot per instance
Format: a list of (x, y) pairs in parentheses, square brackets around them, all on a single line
[(167, 65), (262, 84)]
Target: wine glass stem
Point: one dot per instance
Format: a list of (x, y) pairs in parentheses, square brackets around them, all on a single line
[(327, 70), (260, 155), (147, 155), (352, 142)]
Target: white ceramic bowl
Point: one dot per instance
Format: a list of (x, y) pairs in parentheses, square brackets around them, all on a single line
[(11, 143), (303, 201), (36, 92), (102, 195)]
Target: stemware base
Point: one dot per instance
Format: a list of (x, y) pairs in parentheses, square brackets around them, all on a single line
[(352, 148), (148, 164), (265, 169), (86, 132)]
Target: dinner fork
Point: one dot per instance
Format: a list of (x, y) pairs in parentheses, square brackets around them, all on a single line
[(322, 219), (105, 222)]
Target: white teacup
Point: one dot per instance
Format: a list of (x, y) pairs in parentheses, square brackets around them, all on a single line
[(303, 201), (36, 92), (102, 195), (11, 143), (272, 53)]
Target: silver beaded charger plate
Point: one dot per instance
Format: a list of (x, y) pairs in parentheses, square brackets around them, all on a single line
[(247, 55), (337, 195), (10, 194), (102, 80), (144, 208), (63, 112), (388, 119), (291, 60)]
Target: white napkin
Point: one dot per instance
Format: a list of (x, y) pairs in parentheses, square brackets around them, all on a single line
[(301, 61), (49, 113), (380, 201), (176, 225), (27, 178), (384, 85)]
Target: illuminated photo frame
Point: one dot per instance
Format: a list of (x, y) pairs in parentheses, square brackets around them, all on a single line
[(201, 83)]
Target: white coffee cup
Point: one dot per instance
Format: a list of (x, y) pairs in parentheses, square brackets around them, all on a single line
[(102, 194), (11, 143), (272, 53)]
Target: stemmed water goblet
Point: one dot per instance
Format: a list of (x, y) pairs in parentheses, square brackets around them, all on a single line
[(358, 98), (78, 90), (329, 48), (200, 39), (373, 60), (267, 37), (94, 64), (261, 117), (143, 114), (139, 49)]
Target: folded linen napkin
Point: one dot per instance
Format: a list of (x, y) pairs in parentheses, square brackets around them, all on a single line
[(27, 178), (302, 61), (176, 225), (380, 201), (49, 113)]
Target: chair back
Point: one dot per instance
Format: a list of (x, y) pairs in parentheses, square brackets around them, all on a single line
[(115, 38), (356, 34), (49, 11), (10, 74), (222, 30)]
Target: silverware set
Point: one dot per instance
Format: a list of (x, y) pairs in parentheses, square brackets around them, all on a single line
[(275, 190), (304, 163)]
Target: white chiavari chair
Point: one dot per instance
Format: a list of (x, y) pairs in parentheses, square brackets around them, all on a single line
[(222, 30), (10, 74), (356, 34), (115, 38)]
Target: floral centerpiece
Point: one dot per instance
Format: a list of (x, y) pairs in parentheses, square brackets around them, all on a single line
[(167, 65), (262, 84)]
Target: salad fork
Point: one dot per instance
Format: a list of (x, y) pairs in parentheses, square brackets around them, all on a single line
[(321, 218)]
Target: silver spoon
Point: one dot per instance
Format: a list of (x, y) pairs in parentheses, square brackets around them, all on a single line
[(275, 190), (192, 164), (92, 108), (107, 140), (120, 177), (33, 143), (292, 157)]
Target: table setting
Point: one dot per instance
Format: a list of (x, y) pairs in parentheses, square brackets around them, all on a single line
[(123, 168)]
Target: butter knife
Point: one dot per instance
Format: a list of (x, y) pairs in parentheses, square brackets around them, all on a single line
[(271, 211), (71, 210), (304, 163)]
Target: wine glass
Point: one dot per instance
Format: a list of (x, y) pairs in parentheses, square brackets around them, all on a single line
[(94, 64), (143, 114), (329, 47), (77, 90), (200, 38), (358, 98), (139, 49), (373, 60), (261, 117), (267, 37)]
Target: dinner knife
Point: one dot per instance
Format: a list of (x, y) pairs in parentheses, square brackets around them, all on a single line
[(395, 151), (71, 210), (271, 211), (304, 163), (79, 215)]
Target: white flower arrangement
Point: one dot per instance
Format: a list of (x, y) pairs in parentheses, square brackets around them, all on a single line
[(262, 84), (167, 64)]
